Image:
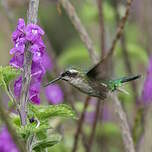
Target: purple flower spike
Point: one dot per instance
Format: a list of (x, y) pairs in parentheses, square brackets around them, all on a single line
[(54, 94), (33, 32), (147, 90), (6, 142)]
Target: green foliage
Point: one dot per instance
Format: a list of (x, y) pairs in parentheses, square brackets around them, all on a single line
[(40, 126), (75, 55), (46, 112), (89, 12), (7, 74), (45, 143)]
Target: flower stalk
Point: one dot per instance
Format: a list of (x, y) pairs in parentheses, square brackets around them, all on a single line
[(32, 18)]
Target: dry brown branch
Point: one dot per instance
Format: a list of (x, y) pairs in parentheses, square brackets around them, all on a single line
[(102, 31), (120, 29), (70, 10), (93, 130), (125, 54), (5, 118), (122, 121), (80, 124)]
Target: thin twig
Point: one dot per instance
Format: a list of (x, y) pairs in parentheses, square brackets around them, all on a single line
[(101, 23), (122, 120), (9, 14), (133, 83), (26, 78), (125, 54), (80, 124), (5, 117), (93, 130), (70, 10), (120, 29)]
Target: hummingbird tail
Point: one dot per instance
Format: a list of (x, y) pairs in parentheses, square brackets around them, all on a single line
[(131, 78)]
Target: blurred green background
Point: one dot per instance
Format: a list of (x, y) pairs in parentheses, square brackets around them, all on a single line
[(71, 52)]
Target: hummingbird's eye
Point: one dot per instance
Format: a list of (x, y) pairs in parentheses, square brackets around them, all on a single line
[(69, 74)]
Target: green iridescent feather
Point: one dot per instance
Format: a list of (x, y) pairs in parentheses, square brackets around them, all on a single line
[(114, 84)]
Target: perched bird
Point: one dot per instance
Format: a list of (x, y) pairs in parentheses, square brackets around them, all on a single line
[(96, 82)]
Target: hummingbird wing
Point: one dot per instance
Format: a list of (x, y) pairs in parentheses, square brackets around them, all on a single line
[(100, 88), (100, 71)]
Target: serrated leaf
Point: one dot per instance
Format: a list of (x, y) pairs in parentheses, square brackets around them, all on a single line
[(49, 142), (47, 112), (7, 74)]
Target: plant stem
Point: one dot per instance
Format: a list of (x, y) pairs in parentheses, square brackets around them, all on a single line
[(26, 76)]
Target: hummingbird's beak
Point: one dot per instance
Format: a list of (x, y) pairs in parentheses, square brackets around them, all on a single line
[(57, 79)]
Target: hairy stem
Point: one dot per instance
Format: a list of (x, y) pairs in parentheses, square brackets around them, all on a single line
[(26, 76)]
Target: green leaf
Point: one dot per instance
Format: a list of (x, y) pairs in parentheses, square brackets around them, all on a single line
[(15, 120), (50, 111), (7, 74), (49, 142)]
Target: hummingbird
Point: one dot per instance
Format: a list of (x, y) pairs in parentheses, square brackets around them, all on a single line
[(95, 82)]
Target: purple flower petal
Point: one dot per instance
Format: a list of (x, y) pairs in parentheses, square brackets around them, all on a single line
[(147, 90), (6, 142), (18, 87), (34, 92), (33, 32), (47, 62), (17, 60), (37, 53), (54, 94), (19, 32), (19, 46), (21, 25), (37, 71)]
